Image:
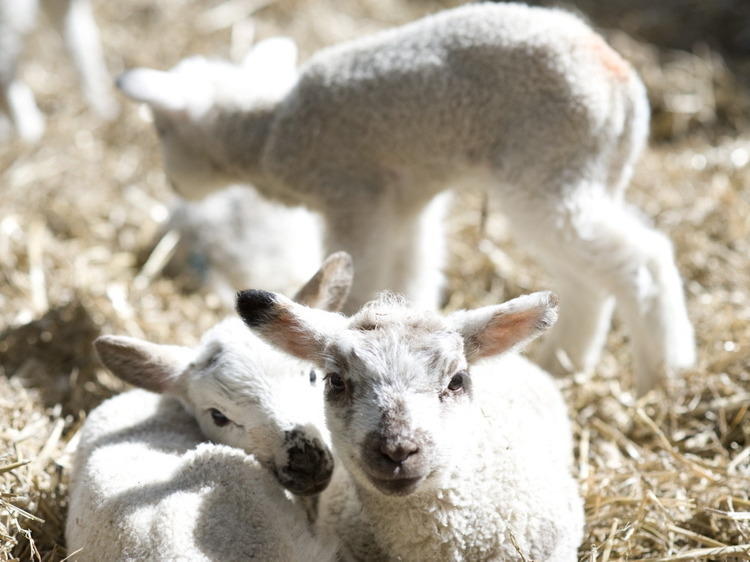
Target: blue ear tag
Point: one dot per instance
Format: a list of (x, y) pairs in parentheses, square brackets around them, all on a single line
[(199, 263)]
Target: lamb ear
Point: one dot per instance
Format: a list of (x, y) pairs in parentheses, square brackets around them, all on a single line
[(144, 364), (273, 64), (495, 329), (159, 89), (329, 288), (298, 330), (273, 54)]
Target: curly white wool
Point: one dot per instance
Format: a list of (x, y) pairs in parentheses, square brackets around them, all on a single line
[(146, 486)]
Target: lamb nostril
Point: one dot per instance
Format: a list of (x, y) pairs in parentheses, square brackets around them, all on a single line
[(305, 461), (399, 453)]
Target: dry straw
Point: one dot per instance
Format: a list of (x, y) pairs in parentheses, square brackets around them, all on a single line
[(665, 478)]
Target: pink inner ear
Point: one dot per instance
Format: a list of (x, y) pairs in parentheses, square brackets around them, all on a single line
[(138, 363), (155, 376), (288, 332), (146, 372), (504, 331)]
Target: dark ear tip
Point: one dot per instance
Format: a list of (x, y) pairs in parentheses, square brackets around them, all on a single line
[(254, 306)]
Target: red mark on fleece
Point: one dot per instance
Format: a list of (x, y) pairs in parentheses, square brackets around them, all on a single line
[(608, 57)]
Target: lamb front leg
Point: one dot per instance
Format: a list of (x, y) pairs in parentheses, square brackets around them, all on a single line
[(369, 235)]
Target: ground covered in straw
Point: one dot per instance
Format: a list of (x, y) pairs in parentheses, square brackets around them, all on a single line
[(665, 478)]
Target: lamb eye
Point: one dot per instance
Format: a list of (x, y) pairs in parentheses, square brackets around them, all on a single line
[(335, 382), (219, 419), (457, 381)]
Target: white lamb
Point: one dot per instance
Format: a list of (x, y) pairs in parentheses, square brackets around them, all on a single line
[(75, 20), (446, 458), (148, 487), (143, 485), (234, 239), (528, 102)]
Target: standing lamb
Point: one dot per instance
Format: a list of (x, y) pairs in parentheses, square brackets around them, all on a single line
[(528, 102), (144, 487), (75, 20), (447, 458)]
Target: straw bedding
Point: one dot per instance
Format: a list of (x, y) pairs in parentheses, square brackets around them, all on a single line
[(665, 478)]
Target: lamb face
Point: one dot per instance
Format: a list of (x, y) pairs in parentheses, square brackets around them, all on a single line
[(180, 101), (277, 417), (397, 399), (190, 169), (184, 102), (398, 394), (241, 391)]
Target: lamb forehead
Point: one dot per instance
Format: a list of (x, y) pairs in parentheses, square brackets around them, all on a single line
[(235, 363), (388, 341), (394, 312)]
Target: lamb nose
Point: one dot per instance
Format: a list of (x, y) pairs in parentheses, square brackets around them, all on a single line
[(399, 453), (305, 460)]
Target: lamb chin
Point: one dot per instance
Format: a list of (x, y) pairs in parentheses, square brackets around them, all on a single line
[(398, 486), (302, 487)]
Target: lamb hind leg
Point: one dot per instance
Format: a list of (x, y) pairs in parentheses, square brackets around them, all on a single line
[(420, 254), (394, 247), (653, 307), (607, 246), (367, 232)]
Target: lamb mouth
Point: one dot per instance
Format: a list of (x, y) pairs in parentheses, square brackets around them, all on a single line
[(396, 486), (309, 489), (303, 486)]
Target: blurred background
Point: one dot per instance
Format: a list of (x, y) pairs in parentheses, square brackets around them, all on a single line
[(83, 252)]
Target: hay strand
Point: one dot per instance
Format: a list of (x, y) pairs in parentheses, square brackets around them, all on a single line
[(664, 478)]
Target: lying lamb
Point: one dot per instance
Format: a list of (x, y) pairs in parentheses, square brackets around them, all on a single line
[(143, 485), (147, 487), (527, 102), (235, 239), (446, 457), (76, 22)]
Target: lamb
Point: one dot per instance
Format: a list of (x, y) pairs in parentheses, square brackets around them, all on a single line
[(527, 102), (235, 239), (445, 457), (145, 487), (76, 22)]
